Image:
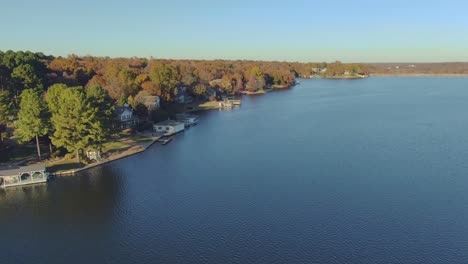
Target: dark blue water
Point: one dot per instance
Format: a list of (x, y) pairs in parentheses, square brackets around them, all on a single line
[(365, 171)]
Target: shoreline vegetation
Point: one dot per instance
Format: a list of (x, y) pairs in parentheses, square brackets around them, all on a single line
[(58, 110)]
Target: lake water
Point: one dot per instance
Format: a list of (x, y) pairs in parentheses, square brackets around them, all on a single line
[(331, 171)]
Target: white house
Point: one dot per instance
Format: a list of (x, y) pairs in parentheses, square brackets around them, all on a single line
[(168, 127)]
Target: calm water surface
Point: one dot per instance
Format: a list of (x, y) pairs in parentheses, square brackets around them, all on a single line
[(365, 171)]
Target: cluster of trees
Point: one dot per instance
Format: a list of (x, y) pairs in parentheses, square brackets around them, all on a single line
[(123, 78), (18, 71), (73, 118)]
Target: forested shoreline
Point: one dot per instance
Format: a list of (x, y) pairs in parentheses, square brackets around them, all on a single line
[(70, 100)]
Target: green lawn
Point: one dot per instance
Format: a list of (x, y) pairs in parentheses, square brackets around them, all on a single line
[(114, 145), (64, 165), (194, 106), (209, 105), (141, 139)]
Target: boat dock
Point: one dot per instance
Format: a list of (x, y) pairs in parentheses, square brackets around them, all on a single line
[(23, 175), (164, 141), (229, 102), (188, 119), (235, 101)]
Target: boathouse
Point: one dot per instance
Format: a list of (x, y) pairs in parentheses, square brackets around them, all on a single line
[(168, 127), (187, 119), (22, 175)]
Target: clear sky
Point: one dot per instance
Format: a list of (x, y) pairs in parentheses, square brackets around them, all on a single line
[(351, 31)]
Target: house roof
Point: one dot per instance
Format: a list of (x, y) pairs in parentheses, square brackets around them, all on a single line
[(12, 170), (121, 109), (169, 123)]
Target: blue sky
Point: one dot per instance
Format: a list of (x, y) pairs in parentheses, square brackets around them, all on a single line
[(351, 31)]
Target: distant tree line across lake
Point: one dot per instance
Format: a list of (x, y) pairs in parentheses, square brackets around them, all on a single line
[(71, 99)]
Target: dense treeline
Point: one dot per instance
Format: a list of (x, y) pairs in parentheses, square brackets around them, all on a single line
[(71, 99), (447, 68)]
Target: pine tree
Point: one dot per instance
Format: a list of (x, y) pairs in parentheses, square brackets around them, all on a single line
[(5, 112), (76, 121), (102, 102), (53, 96), (32, 118)]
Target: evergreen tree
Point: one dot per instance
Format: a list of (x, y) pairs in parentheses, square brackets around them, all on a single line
[(53, 96), (76, 123), (100, 100), (32, 118), (28, 77), (5, 112)]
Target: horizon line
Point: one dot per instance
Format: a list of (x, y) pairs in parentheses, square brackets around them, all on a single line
[(231, 59)]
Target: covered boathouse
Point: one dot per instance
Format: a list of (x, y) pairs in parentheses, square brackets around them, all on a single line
[(23, 175), (168, 127)]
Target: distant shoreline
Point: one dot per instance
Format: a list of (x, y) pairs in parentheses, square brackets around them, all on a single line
[(419, 75)]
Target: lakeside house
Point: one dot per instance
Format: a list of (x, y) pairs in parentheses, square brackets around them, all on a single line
[(212, 93), (169, 127), (125, 117), (182, 97)]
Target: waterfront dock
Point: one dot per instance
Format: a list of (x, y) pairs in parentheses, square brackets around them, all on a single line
[(165, 141)]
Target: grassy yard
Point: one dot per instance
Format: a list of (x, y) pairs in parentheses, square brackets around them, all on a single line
[(63, 165), (277, 86), (120, 145), (194, 106), (124, 142), (209, 105), (114, 145), (140, 139)]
